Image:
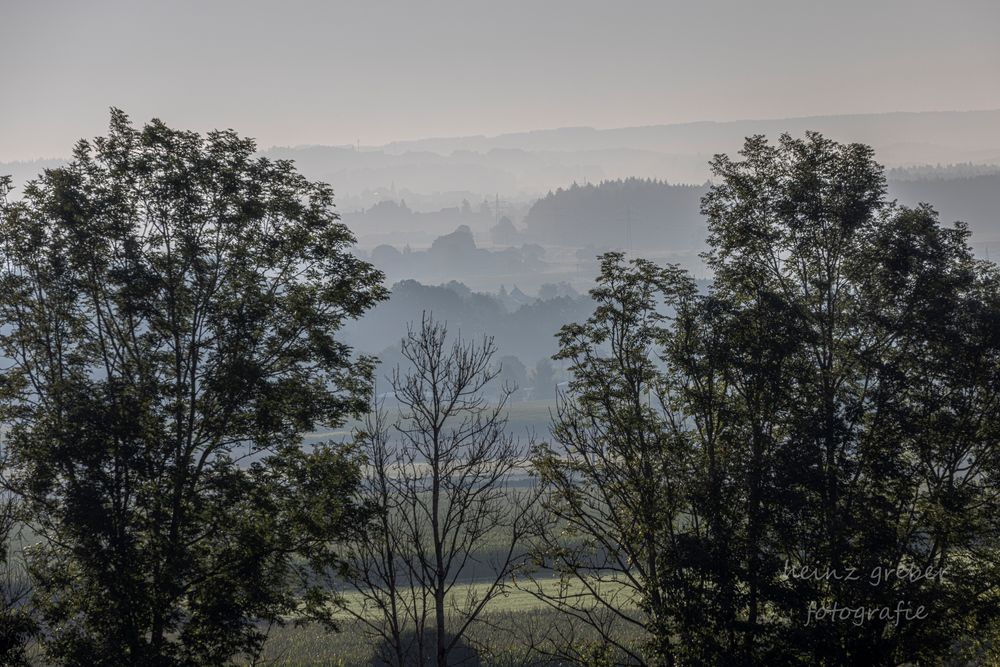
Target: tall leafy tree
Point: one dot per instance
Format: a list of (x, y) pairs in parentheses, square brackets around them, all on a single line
[(863, 371), (170, 302), (16, 623), (823, 420), (614, 473)]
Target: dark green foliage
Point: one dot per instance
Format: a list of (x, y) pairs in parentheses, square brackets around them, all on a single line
[(17, 623), (830, 404), (616, 470), (170, 303), (862, 373)]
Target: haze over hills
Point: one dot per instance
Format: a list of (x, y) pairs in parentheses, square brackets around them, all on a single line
[(523, 166), (436, 172), (971, 132), (436, 185), (526, 210)]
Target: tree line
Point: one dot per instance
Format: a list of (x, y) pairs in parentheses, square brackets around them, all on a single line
[(520, 330), (725, 474)]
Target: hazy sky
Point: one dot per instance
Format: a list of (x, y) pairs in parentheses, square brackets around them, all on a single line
[(328, 72)]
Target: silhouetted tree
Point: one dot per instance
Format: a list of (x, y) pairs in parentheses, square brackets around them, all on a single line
[(861, 365), (170, 303), (828, 406), (17, 626), (615, 473), (447, 512)]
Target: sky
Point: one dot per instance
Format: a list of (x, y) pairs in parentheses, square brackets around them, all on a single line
[(300, 72)]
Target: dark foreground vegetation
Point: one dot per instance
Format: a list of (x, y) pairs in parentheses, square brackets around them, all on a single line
[(797, 466)]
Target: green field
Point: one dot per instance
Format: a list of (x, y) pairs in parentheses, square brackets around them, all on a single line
[(513, 599), (501, 638), (510, 625)]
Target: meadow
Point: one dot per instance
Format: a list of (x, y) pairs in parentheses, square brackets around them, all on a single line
[(517, 630)]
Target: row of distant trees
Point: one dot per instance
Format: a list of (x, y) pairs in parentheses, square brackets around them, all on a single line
[(724, 474), (626, 213), (514, 381), (521, 325)]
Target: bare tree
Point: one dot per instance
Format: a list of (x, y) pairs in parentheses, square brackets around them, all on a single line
[(442, 477)]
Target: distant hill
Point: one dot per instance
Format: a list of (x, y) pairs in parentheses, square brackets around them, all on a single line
[(974, 200), (650, 210), (653, 215), (528, 332), (525, 165), (939, 172), (455, 256), (439, 172), (629, 213), (899, 137)]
